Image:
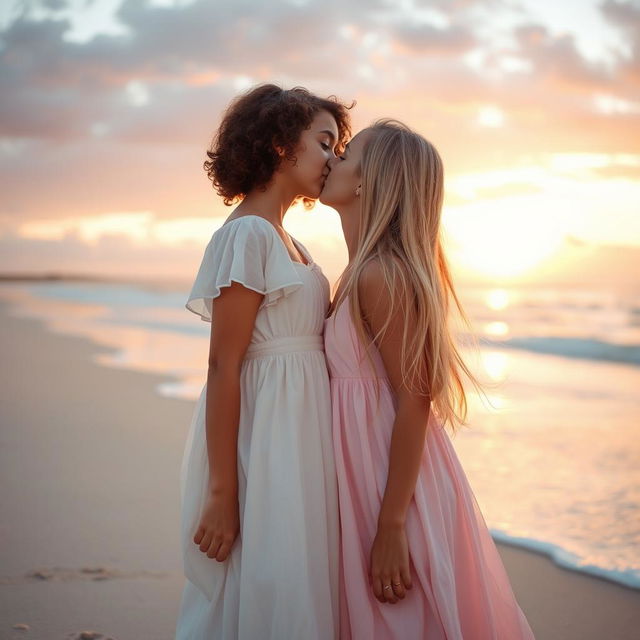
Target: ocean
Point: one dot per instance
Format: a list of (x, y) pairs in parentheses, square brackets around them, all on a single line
[(553, 450)]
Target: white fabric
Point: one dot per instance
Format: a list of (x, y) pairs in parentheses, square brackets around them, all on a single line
[(281, 579), (246, 251)]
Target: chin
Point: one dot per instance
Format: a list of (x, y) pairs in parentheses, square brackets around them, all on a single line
[(325, 197)]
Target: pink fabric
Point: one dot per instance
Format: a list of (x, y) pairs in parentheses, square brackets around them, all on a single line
[(460, 588)]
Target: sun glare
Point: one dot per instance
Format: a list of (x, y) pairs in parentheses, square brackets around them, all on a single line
[(490, 116), (497, 299), (496, 328), (502, 238), (511, 252), (495, 364)]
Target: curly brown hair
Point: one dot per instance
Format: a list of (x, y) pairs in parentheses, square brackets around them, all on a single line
[(243, 156)]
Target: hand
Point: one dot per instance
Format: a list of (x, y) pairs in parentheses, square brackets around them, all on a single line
[(219, 526), (389, 564)]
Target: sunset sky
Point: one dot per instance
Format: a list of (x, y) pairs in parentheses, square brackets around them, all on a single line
[(107, 108)]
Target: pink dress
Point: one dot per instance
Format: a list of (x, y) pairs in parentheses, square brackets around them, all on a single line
[(461, 590)]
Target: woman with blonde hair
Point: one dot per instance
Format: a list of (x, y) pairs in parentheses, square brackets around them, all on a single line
[(417, 559)]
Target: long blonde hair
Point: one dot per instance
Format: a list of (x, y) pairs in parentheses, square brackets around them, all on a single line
[(402, 180)]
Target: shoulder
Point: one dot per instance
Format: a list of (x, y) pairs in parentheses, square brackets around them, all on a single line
[(383, 297), (247, 224), (390, 317), (371, 277), (251, 231), (374, 288)]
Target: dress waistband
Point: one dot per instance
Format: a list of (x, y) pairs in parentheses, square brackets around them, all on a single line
[(279, 346)]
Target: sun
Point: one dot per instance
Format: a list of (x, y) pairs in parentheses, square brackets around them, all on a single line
[(497, 242)]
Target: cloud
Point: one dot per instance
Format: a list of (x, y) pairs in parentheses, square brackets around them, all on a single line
[(424, 38), (558, 57), (121, 120), (55, 89), (114, 255), (626, 16)]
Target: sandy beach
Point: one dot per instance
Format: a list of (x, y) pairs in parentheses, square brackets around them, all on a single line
[(89, 537)]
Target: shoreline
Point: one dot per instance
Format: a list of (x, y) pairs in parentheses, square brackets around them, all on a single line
[(128, 346), (86, 479)]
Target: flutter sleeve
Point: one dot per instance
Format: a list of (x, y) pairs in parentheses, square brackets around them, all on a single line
[(249, 251)]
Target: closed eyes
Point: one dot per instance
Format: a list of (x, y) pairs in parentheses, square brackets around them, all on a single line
[(326, 147)]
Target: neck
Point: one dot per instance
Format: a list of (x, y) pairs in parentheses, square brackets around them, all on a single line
[(350, 219), (272, 203)]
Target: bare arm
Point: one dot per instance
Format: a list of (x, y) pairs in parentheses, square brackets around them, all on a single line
[(234, 316), (389, 553)]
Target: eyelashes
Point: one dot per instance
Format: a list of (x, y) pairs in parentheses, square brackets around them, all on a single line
[(326, 147)]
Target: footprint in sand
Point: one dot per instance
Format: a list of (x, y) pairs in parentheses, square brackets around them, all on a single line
[(62, 574)]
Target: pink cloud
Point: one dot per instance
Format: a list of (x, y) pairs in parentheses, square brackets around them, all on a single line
[(73, 143)]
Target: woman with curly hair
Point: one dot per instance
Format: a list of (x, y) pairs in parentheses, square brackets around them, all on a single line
[(417, 558), (259, 503)]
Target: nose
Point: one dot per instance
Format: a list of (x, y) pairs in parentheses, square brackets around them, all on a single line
[(332, 161)]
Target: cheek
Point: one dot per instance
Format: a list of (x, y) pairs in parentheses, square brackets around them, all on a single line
[(318, 161), (345, 181), (340, 188), (311, 166)]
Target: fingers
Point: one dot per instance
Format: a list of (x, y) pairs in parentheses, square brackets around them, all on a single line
[(214, 547), (205, 542), (225, 549), (218, 546), (406, 577), (390, 588), (397, 586), (383, 590), (387, 591)]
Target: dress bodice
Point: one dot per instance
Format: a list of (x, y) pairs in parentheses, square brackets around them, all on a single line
[(346, 356), (249, 250)]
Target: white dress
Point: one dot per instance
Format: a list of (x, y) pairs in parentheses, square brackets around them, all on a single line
[(281, 579)]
